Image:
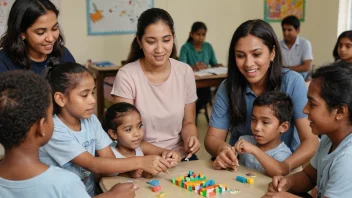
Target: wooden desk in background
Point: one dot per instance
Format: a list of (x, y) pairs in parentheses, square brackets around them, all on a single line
[(258, 189), (100, 73)]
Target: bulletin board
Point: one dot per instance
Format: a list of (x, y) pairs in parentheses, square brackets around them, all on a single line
[(115, 16), (276, 10)]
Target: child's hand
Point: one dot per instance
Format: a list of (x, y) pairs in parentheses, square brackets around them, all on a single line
[(192, 145), (136, 173), (242, 146), (278, 184), (226, 159), (173, 157), (123, 190), (154, 164)]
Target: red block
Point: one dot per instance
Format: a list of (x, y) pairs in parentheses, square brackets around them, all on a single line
[(156, 188)]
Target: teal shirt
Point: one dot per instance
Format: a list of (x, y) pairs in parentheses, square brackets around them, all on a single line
[(190, 55)]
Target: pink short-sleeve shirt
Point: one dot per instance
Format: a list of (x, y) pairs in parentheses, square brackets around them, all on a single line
[(161, 105)]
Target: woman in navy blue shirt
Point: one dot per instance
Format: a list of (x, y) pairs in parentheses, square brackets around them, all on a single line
[(32, 37)]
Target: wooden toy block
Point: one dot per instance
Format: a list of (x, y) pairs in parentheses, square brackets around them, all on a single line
[(250, 180), (156, 188), (241, 179)]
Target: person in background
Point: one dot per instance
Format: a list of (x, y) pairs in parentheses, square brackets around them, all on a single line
[(296, 51), (343, 48), (199, 54)]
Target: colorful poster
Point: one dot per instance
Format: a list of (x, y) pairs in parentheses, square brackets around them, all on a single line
[(276, 10), (115, 16)]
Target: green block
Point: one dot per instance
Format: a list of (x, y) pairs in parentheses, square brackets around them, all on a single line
[(190, 188), (173, 180)]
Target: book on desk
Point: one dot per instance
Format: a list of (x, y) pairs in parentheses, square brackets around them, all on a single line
[(211, 71), (103, 63)]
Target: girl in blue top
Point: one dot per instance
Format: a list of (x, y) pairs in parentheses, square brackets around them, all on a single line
[(255, 66), (329, 110), (198, 53), (32, 37), (79, 143)]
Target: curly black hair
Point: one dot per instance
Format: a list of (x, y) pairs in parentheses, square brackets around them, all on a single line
[(24, 99)]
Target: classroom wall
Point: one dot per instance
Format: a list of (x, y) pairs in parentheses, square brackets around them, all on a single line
[(221, 17)]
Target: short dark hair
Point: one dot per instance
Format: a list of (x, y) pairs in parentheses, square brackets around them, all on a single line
[(345, 34), (24, 99), (291, 20), (148, 17), (63, 78), (195, 27), (336, 84), (22, 15), (115, 113), (279, 102)]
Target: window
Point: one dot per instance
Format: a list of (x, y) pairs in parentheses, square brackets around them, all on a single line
[(344, 16)]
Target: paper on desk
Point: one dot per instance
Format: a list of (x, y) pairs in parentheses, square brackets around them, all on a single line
[(211, 71)]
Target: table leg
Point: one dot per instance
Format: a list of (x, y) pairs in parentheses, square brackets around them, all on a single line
[(100, 95)]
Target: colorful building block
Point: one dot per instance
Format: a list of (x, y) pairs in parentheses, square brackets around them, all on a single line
[(153, 182), (156, 188), (241, 179)]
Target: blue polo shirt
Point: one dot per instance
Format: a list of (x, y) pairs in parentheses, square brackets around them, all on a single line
[(300, 51), (189, 54), (6, 64), (292, 84)]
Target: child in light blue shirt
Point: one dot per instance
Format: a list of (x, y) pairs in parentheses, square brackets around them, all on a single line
[(78, 135), (265, 151), (329, 111), (25, 125)]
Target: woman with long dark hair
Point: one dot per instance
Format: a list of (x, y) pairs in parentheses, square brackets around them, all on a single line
[(32, 37), (162, 88), (254, 67)]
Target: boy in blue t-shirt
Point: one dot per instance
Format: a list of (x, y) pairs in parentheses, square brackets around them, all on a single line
[(26, 123), (264, 151)]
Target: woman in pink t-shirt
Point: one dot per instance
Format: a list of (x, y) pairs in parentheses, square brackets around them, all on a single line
[(162, 88)]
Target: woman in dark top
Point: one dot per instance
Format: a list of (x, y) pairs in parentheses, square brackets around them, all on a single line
[(32, 37)]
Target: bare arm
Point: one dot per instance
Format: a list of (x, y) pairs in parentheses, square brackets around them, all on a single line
[(189, 121), (150, 149), (214, 141), (189, 131), (306, 66), (303, 181), (308, 146), (106, 165), (272, 166)]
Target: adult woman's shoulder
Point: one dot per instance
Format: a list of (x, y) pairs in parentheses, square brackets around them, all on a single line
[(180, 66), (291, 79)]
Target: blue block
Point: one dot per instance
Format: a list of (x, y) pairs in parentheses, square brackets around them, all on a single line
[(241, 179)]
